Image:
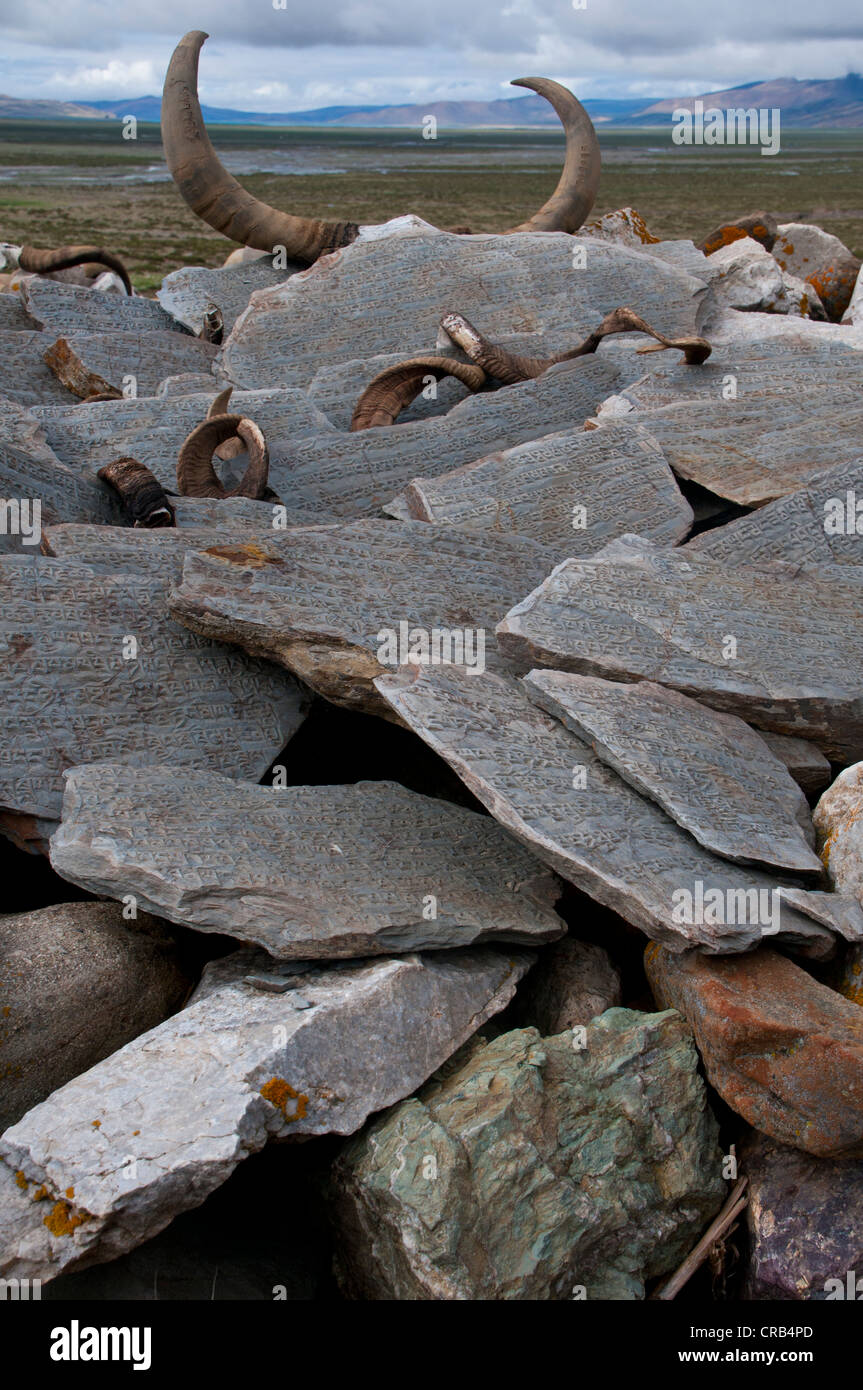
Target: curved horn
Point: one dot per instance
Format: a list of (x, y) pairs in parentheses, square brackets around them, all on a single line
[(142, 495), (196, 476), (570, 204), (220, 403), (211, 191), (392, 390), (65, 257)]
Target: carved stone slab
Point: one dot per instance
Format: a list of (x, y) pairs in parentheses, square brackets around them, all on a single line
[(383, 295), (91, 362), (159, 551), (187, 293), (574, 492), (711, 772), (819, 524), (63, 309), (338, 605), (305, 872), (36, 493), (93, 665), (807, 765), (551, 790), (150, 1132), (780, 647), (13, 314), (24, 376)]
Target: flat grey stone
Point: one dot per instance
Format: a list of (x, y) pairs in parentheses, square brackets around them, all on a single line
[(59, 308), (574, 492), (155, 1128), (77, 981), (576, 814), (37, 493), (13, 314), (337, 605), (159, 551), (70, 695), (816, 525), (511, 1176), (388, 295), (305, 872), (100, 361), (807, 765), (710, 772), (24, 376), (779, 646), (187, 293)]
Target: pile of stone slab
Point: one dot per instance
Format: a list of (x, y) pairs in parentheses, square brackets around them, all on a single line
[(604, 630)]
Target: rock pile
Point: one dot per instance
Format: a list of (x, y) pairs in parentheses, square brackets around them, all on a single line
[(600, 624)]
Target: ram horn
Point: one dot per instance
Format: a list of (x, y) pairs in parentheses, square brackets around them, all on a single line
[(570, 204), (196, 476), (144, 499), (65, 257), (392, 390), (212, 192)]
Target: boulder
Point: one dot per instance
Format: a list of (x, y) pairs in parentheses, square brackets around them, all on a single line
[(77, 981), (308, 872), (821, 259), (757, 226), (805, 1223), (854, 312), (838, 819), (532, 1169), (782, 1050), (113, 1156), (749, 277), (572, 982), (625, 226)]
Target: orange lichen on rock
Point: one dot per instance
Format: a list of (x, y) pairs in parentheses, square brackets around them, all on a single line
[(279, 1092), (63, 1219), (21, 1181)]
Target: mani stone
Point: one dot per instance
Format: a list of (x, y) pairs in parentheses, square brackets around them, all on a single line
[(752, 451), (550, 790), (529, 1169), (308, 872), (805, 1223), (574, 492), (820, 524), (339, 605), (59, 308), (24, 375), (710, 772), (77, 981), (187, 294), (13, 314), (778, 645), (36, 492), (823, 260), (160, 550), (782, 1050), (113, 1156), (572, 982), (838, 819), (387, 292), (93, 665), (93, 362), (809, 768), (152, 430)]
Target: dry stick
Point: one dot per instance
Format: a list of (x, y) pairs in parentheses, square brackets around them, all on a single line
[(718, 1228)]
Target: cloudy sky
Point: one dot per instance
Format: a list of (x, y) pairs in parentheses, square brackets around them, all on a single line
[(378, 51)]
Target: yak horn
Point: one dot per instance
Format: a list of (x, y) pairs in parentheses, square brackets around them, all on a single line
[(143, 497), (570, 204), (212, 192), (65, 257), (392, 390), (234, 445), (509, 367), (196, 476)]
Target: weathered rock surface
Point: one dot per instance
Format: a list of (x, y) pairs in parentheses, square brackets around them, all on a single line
[(809, 767), (74, 688), (308, 872), (555, 285), (805, 1222), (513, 1174), (822, 259), (160, 550), (77, 981), (111, 1158), (781, 1049), (572, 982), (62, 309), (574, 492), (838, 819), (855, 307), (95, 362), (13, 314), (37, 492), (710, 772), (779, 646), (338, 605), (820, 524), (553, 793), (187, 294), (24, 376), (624, 225), (749, 277)]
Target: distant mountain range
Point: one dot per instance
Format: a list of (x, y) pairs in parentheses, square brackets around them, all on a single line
[(832, 103)]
